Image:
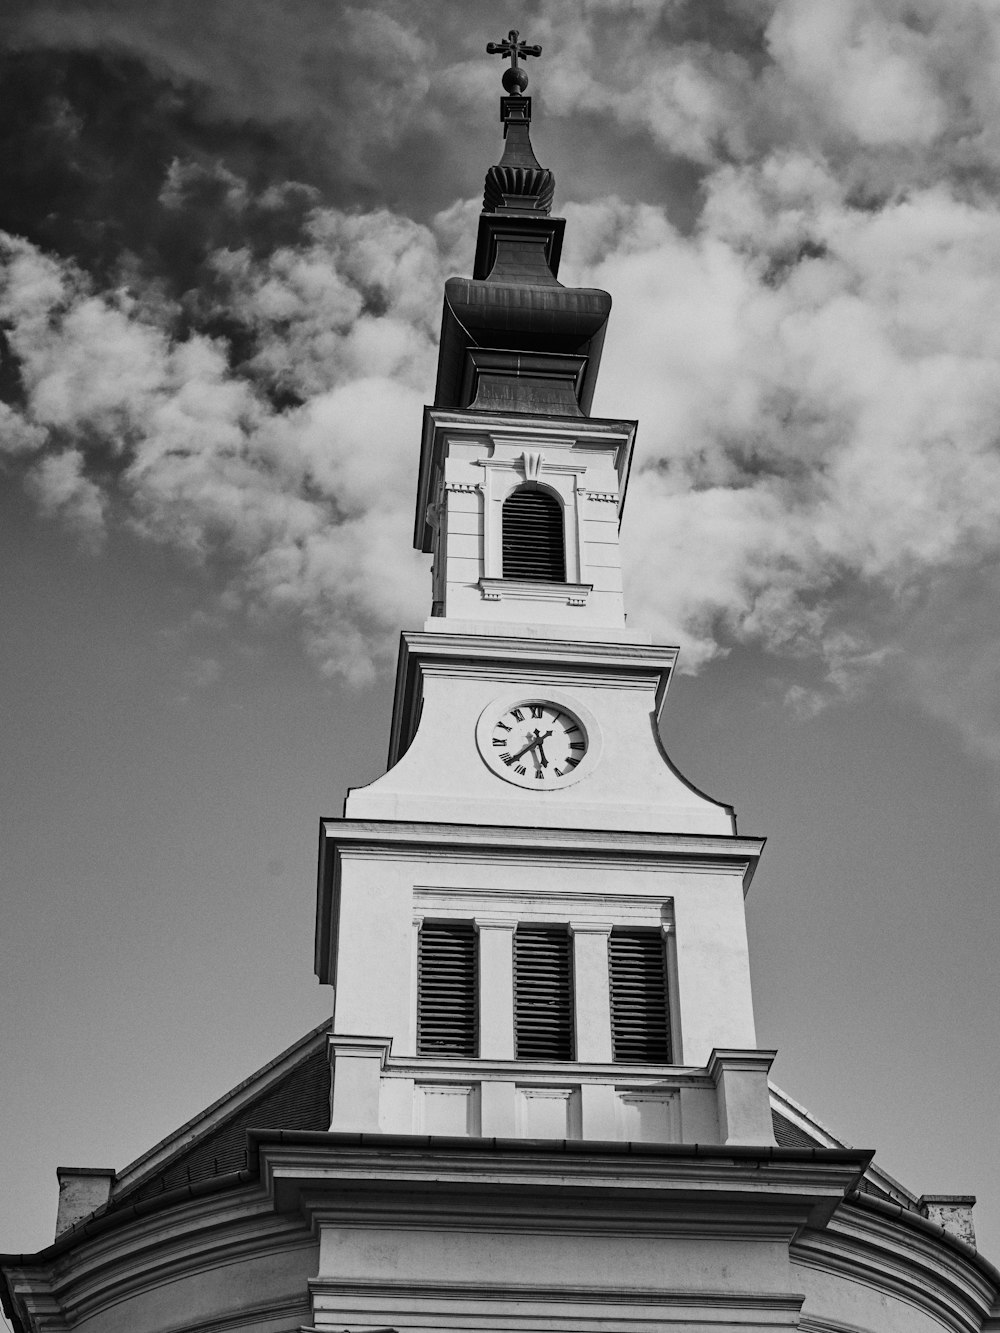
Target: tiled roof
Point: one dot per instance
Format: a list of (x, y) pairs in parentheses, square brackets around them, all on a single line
[(298, 1100)]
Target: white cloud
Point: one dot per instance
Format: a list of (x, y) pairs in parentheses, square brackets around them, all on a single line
[(815, 366), (304, 510)]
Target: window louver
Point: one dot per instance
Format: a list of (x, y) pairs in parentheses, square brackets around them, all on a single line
[(533, 546), (447, 989), (543, 993), (640, 1020)]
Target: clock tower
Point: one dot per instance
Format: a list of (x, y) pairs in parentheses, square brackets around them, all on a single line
[(533, 924)]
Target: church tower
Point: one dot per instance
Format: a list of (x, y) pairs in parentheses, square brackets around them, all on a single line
[(540, 1103), (534, 926)]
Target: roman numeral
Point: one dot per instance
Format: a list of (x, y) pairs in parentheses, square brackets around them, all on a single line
[(577, 745), (499, 741), (539, 773), (571, 762), (516, 712), (536, 710), (507, 759), (558, 772), (503, 726), (521, 769), (570, 730)]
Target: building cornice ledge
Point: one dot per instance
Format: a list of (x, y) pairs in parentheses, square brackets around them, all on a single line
[(793, 1187), (917, 1222), (540, 839)]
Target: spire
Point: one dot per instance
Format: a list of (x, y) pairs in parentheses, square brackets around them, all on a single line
[(518, 183), (513, 338)]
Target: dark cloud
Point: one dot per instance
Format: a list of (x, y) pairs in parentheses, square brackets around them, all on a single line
[(87, 144)]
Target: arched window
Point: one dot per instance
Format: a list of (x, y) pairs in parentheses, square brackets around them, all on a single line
[(533, 546)]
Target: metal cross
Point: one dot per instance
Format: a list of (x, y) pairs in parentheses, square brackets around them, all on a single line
[(510, 46)]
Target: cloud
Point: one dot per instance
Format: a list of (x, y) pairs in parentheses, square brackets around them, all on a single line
[(818, 386), (303, 510), (808, 337)]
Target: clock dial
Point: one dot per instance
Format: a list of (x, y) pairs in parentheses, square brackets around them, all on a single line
[(535, 743)]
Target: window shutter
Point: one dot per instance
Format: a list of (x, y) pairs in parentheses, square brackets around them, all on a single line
[(543, 993), (640, 1020), (447, 989), (533, 546)]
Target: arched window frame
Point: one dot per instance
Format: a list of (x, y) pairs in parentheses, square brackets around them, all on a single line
[(535, 486), (561, 481)]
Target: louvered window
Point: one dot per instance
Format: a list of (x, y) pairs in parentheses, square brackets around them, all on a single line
[(533, 546), (640, 1018), (543, 993), (447, 989)]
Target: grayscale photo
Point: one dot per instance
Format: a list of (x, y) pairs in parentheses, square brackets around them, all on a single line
[(500, 666)]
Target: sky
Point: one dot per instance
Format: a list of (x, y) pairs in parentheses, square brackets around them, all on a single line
[(224, 232)]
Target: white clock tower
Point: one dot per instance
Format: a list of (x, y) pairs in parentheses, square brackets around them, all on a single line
[(534, 925)]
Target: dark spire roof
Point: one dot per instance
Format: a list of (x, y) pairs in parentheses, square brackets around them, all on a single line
[(518, 183), (513, 338)]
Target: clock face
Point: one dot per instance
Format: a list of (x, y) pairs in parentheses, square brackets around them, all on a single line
[(534, 743)]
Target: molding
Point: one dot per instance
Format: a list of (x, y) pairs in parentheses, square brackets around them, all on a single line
[(154, 1245), (341, 1043), (295, 1310), (494, 907), (526, 590), (566, 901), (624, 1077), (886, 1255), (523, 1293), (742, 1061), (494, 1183), (515, 466), (707, 850)]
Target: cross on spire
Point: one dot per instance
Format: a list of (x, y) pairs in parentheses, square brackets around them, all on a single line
[(515, 79)]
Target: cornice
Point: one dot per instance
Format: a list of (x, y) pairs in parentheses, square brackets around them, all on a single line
[(889, 1248), (109, 1258), (707, 849), (667, 1078), (526, 1294), (722, 1190)]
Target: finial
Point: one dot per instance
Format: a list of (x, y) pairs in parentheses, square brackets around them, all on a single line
[(515, 79)]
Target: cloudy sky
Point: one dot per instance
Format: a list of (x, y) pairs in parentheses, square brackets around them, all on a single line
[(225, 230)]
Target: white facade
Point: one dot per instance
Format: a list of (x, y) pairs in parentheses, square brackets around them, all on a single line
[(617, 841), (471, 463)]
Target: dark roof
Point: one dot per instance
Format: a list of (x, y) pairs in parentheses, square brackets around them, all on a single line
[(787, 1135), (298, 1100)]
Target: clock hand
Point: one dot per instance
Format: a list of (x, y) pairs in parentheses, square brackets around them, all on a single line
[(540, 755), (536, 740)]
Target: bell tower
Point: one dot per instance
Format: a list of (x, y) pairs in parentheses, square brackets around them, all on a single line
[(534, 926)]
